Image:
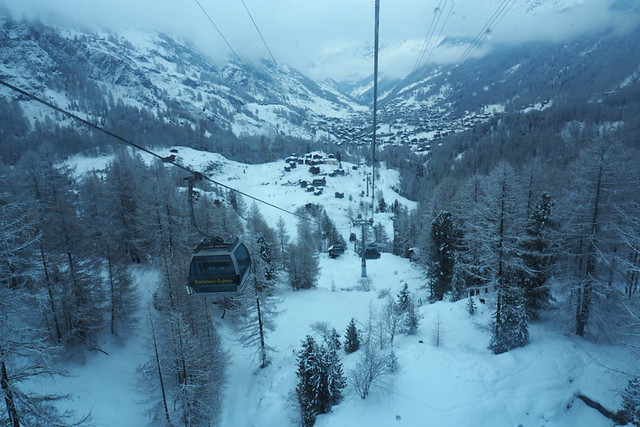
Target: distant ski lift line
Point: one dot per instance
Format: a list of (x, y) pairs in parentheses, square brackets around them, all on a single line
[(141, 148), (219, 32)]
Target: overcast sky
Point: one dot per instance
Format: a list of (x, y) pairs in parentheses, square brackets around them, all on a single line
[(334, 38)]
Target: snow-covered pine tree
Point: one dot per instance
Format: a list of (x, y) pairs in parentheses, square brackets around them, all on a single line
[(441, 257), (311, 390), (336, 381), (123, 180), (411, 319), (631, 402), (351, 338), (471, 305), (536, 257), (401, 236), (329, 335), (497, 233), (404, 298), (408, 319), (510, 329)]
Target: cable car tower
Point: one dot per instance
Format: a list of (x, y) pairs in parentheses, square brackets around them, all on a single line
[(371, 252)]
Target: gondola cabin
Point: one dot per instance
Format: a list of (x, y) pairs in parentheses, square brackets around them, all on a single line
[(371, 252), (218, 267)]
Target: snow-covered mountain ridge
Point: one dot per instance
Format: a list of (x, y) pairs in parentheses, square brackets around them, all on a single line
[(83, 70), (88, 72)]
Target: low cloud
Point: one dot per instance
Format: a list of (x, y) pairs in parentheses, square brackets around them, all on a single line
[(333, 38)]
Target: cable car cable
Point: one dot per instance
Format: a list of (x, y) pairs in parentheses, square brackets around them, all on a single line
[(259, 32), (426, 37), (375, 103), (219, 32), (432, 28), (497, 16), (435, 43)]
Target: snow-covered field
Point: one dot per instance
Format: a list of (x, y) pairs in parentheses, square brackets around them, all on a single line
[(460, 383)]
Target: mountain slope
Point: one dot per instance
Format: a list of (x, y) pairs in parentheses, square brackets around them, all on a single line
[(85, 71)]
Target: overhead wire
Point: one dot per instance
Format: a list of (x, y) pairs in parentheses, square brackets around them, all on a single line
[(141, 148), (259, 32), (493, 21), (375, 104), (218, 30), (435, 43), (428, 37)]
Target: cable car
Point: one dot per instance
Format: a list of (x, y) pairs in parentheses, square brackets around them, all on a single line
[(336, 250), (371, 252), (218, 267)]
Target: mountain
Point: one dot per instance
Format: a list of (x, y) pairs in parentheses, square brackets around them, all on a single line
[(113, 78), (86, 71), (438, 100)]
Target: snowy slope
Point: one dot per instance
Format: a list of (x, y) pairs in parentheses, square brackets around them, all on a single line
[(460, 383), (152, 71)]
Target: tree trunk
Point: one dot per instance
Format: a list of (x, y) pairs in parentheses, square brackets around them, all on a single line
[(14, 421), (56, 322), (164, 395), (584, 302), (263, 353)]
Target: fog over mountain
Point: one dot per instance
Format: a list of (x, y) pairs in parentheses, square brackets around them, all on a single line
[(333, 39)]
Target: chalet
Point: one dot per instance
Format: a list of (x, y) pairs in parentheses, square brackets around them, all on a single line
[(339, 195), (303, 183), (315, 170), (319, 182), (310, 188), (287, 168)]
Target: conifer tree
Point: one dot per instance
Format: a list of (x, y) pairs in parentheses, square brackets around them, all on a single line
[(510, 329), (495, 230), (312, 396), (351, 339), (441, 258), (537, 258), (336, 380), (411, 319), (404, 298), (471, 305), (631, 402)]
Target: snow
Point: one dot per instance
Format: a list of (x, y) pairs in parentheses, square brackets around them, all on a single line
[(460, 383)]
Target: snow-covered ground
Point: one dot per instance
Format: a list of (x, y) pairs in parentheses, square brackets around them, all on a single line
[(460, 383)]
